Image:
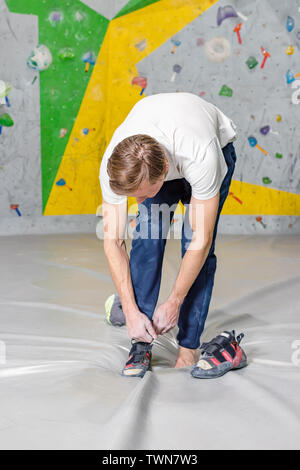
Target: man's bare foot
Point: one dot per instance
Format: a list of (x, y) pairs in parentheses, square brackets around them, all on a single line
[(186, 357)]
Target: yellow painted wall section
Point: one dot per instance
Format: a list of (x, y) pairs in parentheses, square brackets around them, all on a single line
[(258, 200), (110, 96)]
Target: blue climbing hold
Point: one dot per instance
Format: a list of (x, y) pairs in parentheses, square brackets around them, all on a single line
[(290, 24), (61, 182)]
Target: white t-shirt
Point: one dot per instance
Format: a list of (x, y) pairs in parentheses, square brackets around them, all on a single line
[(193, 133)]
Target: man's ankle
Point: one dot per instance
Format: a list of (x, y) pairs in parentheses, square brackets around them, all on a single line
[(186, 357)]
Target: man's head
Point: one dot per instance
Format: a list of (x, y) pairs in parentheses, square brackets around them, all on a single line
[(137, 167)]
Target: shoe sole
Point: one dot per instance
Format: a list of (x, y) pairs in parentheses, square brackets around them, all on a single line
[(217, 376), (140, 375), (108, 306)]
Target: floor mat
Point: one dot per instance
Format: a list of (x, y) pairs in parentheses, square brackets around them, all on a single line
[(61, 385)]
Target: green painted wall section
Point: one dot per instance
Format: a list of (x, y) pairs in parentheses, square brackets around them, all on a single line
[(63, 85), (134, 5)]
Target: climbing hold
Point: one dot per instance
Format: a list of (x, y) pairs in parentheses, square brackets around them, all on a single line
[(266, 129), (176, 44), (278, 118), (88, 59), (15, 207), (266, 180), (200, 42), (266, 56), (253, 142), (79, 16), (290, 24), (55, 17), (252, 62), (6, 120), (237, 30), (226, 91), (290, 50), (176, 69), (62, 182), (298, 35), (4, 90), (290, 77), (62, 133), (40, 58), (66, 53), (85, 131), (225, 12), (228, 12), (140, 81), (278, 155), (259, 219), (141, 46), (217, 49)]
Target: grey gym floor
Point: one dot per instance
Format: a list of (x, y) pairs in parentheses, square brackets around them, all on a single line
[(60, 385)]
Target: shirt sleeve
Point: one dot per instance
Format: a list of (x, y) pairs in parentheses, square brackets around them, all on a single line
[(207, 172), (107, 193)]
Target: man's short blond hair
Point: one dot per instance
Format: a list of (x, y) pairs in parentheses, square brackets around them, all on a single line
[(136, 159)]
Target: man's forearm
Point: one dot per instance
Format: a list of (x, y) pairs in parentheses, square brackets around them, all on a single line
[(191, 265), (118, 262)]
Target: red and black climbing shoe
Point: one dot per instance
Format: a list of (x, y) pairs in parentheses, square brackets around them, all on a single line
[(219, 356), (139, 360)]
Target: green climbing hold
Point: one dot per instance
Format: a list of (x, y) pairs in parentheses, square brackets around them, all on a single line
[(251, 62), (226, 91), (6, 120), (278, 155), (66, 53), (266, 180)]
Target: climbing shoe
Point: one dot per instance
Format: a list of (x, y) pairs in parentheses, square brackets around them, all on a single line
[(139, 360), (219, 356)]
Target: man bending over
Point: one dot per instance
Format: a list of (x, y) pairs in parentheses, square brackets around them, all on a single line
[(171, 147)]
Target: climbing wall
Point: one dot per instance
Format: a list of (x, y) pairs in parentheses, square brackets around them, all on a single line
[(104, 56), (262, 96)]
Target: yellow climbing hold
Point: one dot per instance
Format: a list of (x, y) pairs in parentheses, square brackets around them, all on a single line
[(290, 50)]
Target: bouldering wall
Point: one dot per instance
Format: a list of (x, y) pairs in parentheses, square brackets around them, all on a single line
[(101, 57)]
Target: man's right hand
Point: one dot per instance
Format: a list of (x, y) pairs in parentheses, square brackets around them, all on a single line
[(140, 328)]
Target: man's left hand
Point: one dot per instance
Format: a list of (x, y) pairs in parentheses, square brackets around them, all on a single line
[(166, 316)]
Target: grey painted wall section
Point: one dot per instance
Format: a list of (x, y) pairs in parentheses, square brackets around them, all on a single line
[(240, 225), (20, 159), (107, 8), (258, 97)]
